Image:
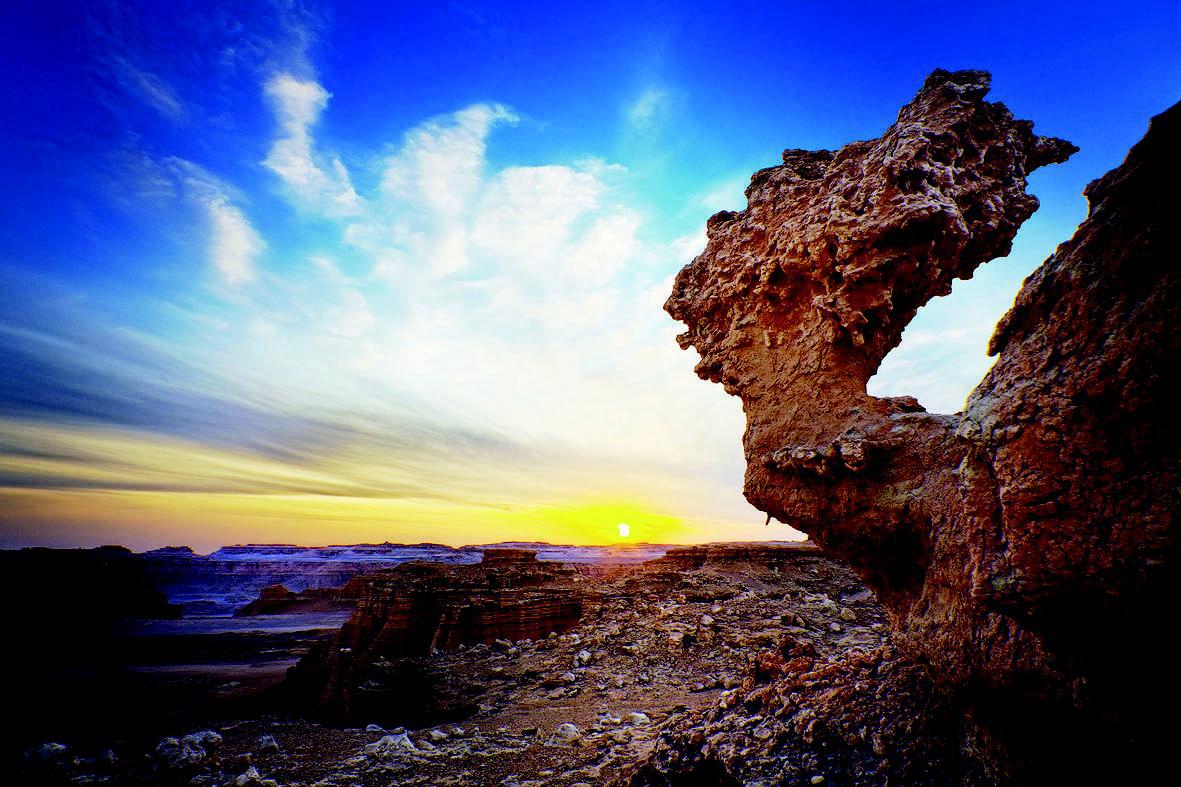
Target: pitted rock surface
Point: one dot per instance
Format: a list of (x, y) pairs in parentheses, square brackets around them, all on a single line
[(1023, 546)]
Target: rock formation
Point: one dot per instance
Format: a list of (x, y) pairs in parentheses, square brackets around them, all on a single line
[(424, 606), (1024, 546), (407, 612), (776, 554), (278, 600)]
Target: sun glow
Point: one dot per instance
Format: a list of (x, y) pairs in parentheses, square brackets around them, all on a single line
[(624, 529)]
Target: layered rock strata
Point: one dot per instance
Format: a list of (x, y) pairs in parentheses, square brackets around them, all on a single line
[(409, 612), (1025, 545), (775, 554)]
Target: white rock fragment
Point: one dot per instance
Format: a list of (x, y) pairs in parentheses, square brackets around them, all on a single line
[(251, 776), (390, 744), (268, 744), (565, 734)]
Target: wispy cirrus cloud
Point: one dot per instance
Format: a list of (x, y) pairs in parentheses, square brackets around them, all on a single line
[(649, 110), (297, 104), (148, 87), (109, 434), (477, 335), (234, 245)]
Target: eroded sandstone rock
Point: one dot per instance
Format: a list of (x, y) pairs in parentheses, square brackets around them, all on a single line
[(1025, 545)]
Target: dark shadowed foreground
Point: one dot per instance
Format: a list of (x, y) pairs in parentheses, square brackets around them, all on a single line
[(512, 671)]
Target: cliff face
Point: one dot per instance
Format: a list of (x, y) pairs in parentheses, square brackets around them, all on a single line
[(406, 613), (1002, 539), (425, 606), (777, 555)]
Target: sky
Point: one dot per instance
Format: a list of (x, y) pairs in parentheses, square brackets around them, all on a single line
[(291, 272)]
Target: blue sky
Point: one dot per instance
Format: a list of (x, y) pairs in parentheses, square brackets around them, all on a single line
[(325, 273)]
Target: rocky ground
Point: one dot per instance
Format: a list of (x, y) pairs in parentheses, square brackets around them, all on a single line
[(672, 644)]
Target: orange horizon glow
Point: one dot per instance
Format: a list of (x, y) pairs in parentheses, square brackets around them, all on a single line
[(149, 520), (90, 486)]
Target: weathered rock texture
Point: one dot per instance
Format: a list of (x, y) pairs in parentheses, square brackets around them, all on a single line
[(1024, 546)]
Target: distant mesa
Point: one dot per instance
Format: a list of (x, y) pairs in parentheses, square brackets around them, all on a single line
[(504, 556)]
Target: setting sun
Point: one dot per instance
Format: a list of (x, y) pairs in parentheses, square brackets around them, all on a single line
[(624, 529)]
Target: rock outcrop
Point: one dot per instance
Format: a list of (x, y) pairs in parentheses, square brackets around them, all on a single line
[(1025, 546), (422, 607), (406, 613), (278, 600), (776, 554), (93, 586)]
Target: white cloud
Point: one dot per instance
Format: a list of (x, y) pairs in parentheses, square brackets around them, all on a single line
[(354, 317), (605, 248), (233, 243), (686, 247), (528, 214), (439, 164), (297, 105), (522, 299), (648, 110), (726, 195)]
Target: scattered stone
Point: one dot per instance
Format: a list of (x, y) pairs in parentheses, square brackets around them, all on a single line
[(565, 734), (268, 745), (52, 752), (389, 745), (191, 751), (250, 777)]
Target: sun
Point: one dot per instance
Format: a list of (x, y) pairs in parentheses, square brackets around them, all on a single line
[(624, 529)]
